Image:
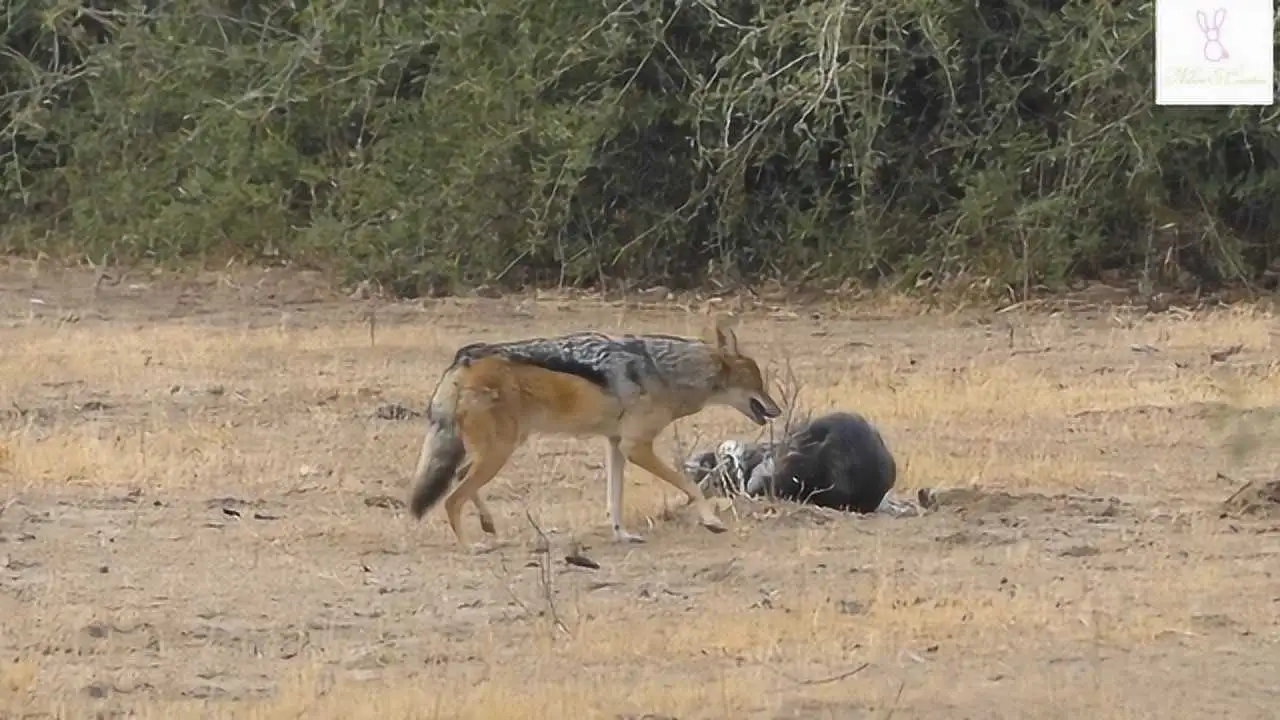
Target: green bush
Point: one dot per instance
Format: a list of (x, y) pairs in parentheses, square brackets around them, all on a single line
[(584, 142)]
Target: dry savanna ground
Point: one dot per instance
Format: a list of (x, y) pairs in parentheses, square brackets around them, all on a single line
[(202, 492)]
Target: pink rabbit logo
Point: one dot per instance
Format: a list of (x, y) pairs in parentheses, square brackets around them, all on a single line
[(1213, 48)]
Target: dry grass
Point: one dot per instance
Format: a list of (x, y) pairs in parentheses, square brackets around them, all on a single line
[(126, 586)]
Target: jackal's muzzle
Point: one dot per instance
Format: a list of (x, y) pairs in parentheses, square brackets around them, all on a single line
[(763, 409)]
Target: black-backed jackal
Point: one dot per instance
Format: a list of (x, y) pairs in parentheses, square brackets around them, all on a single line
[(627, 389)]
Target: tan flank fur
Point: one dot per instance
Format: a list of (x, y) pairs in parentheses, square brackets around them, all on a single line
[(627, 389)]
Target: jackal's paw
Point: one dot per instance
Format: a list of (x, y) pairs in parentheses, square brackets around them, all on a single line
[(714, 525), (479, 548), (622, 536)]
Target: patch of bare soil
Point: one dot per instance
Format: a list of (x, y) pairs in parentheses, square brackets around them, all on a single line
[(202, 513)]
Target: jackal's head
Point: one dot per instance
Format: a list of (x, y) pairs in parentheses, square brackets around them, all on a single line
[(741, 385)]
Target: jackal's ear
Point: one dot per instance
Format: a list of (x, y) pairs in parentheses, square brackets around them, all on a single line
[(719, 333)]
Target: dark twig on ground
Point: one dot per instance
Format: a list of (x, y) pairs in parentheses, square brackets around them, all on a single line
[(826, 678), (544, 573)]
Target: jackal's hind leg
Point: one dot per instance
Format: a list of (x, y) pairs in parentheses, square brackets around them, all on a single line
[(486, 517), (483, 469)]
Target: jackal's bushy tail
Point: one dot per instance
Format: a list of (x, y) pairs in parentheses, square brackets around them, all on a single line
[(443, 453)]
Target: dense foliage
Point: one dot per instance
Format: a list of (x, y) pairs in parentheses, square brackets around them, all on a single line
[(579, 141)]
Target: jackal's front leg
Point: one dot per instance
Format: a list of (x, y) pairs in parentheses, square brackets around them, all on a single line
[(642, 454), (614, 463)]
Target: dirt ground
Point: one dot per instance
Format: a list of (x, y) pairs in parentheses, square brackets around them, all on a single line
[(202, 491)]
